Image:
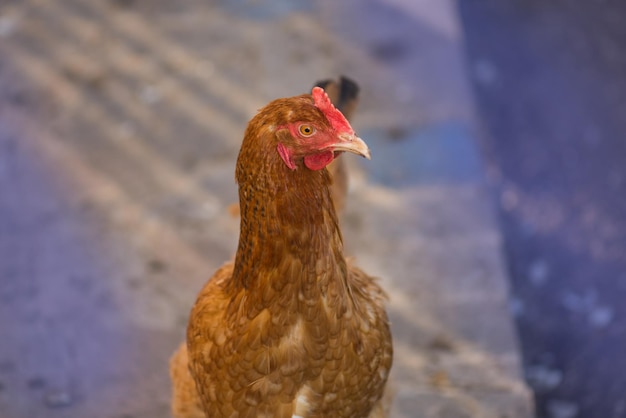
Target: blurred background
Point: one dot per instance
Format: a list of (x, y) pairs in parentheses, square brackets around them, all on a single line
[(494, 208), (551, 91)]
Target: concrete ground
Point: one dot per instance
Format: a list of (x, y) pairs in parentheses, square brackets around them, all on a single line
[(120, 121), (550, 79)]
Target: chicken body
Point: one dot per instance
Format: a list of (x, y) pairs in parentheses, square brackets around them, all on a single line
[(289, 329)]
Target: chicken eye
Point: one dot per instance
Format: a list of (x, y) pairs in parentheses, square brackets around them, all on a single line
[(306, 130)]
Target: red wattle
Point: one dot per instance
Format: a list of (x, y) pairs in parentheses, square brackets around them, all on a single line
[(318, 161)]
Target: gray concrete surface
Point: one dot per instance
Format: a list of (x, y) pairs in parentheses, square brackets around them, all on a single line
[(550, 77), (119, 126)]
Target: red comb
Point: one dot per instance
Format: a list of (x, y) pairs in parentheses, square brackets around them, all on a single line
[(335, 117)]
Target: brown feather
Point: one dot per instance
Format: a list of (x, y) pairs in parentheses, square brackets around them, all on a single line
[(289, 327)]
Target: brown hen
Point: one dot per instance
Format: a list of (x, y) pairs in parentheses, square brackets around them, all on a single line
[(289, 329)]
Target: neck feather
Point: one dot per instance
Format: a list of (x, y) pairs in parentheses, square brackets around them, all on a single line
[(289, 231)]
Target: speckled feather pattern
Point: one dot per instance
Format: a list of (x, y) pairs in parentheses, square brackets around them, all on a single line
[(289, 328)]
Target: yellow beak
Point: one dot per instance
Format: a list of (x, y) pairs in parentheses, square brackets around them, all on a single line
[(353, 144)]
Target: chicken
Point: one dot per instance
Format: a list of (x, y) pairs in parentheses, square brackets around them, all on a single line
[(289, 329), (344, 94)]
